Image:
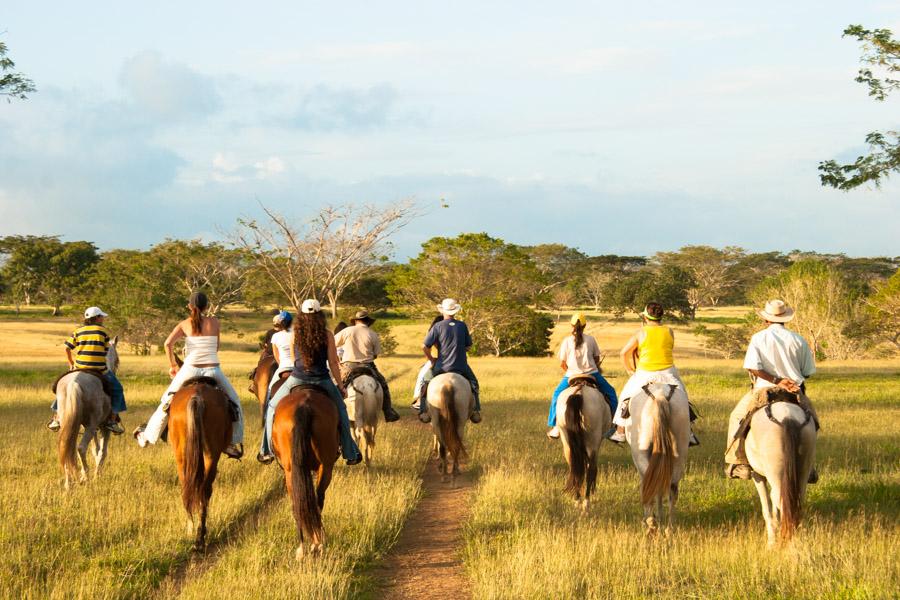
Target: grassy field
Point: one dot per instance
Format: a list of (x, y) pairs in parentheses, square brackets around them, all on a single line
[(124, 535)]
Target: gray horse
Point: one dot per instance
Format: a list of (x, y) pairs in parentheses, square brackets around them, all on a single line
[(450, 403), (82, 403)]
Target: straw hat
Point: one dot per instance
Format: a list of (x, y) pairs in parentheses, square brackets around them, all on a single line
[(776, 311), (449, 307)]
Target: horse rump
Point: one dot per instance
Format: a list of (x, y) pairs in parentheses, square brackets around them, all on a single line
[(304, 503), (194, 465), (661, 462), (448, 422), (574, 434), (791, 508)]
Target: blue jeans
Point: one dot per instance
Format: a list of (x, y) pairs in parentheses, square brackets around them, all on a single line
[(117, 391), (348, 447), (465, 371), (605, 388)]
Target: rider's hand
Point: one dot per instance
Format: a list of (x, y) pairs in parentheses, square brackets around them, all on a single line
[(173, 370), (788, 384)]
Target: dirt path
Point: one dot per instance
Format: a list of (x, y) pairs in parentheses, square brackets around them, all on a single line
[(426, 561)]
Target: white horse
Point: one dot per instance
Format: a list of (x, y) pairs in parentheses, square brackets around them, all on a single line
[(364, 398), (450, 402), (82, 403), (583, 416), (658, 434), (781, 449)]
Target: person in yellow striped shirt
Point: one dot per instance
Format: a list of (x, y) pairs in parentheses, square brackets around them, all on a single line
[(86, 348)]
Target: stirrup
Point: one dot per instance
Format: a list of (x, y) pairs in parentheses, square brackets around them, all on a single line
[(738, 471), (235, 451)]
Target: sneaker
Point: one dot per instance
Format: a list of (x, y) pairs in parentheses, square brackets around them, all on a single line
[(415, 405), (614, 435), (265, 458), (694, 440), (553, 434), (138, 434), (425, 417), (354, 461), (738, 471), (475, 417), (114, 427), (53, 425), (235, 451), (390, 415)]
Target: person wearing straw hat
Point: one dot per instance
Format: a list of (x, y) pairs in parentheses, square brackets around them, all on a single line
[(579, 354), (452, 339), (776, 357), (361, 346), (652, 346)]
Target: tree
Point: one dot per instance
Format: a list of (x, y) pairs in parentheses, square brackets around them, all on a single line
[(882, 53), (12, 83), (883, 308), (217, 271), (667, 285), (710, 268), (326, 255), (559, 264), (494, 281), (598, 288)]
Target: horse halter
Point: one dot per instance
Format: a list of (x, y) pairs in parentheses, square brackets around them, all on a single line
[(668, 397)]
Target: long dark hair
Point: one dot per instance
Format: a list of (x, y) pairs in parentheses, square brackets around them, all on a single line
[(198, 304), (578, 332), (311, 337)]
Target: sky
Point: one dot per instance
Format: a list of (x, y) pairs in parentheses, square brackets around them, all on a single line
[(625, 128)]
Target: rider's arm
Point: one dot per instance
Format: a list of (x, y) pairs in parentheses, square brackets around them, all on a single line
[(782, 382), (334, 364), (427, 351), (176, 335), (275, 354), (629, 348), (69, 358)]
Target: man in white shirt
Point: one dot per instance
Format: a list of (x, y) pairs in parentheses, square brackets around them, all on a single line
[(776, 357), (361, 346)]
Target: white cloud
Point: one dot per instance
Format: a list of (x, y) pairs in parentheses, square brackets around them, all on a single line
[(168, 90)]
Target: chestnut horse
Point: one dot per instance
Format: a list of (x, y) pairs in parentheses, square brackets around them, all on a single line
[(262, 377), (305, 439), (200, 424)]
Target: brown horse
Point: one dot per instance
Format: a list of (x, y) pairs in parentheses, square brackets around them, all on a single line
[(262, 377), (199, 431), (305, 439)]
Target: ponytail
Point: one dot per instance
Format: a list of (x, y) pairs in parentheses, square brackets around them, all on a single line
[(197, 304), (578, 332), (196, 320)]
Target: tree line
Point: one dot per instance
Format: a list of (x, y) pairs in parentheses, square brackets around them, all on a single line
[(511, 292)]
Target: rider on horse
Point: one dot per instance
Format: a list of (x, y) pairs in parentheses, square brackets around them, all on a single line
[(90, 343), (315, 355), (361, 346), (776, 358), (201, 346), (654, 364), (579, 355), (452, 339)]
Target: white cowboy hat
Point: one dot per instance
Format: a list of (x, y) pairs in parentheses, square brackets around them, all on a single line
[(310, 306), (94, 311), (776, 311), (449, 307)]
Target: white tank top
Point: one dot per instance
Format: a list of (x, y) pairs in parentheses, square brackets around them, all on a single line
[(201, 350)]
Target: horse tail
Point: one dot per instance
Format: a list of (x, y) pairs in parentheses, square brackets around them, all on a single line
[(574, 432), (70, 424), (304, 503), (658, 477), (194, 465), (791, 510), (449, 420)]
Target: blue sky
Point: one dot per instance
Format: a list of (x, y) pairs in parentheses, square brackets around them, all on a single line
[(612, 128)]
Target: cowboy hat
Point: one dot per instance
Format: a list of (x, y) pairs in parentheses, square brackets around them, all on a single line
[(449, 307), (776, 311), (362, 315)]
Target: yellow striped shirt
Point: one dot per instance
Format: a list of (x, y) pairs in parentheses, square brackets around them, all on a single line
[(89, 344)]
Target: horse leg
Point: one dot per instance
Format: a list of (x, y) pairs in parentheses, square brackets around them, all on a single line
[(775, 504), (673, 498), (317, 545), (442, 463), (761, 489), (101, 446), (82, 451)]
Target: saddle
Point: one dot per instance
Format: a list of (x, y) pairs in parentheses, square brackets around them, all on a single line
[(211, 382), (764, 399), (580, 381), (103, 380)]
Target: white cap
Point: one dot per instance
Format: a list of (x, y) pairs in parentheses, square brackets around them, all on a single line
[(94, 311), (310, 306)]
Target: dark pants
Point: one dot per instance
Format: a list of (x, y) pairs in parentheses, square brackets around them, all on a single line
[(465, 371), (348, 367)]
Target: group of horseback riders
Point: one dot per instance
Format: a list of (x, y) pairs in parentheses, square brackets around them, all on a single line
[(776, 358)]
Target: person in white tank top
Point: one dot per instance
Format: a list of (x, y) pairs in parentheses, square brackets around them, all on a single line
[(201, 346)]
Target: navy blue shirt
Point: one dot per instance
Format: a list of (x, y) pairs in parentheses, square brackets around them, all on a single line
[(318, 370), (452, 339)]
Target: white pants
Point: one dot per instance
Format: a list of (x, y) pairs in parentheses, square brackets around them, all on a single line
[(424, 372), (637, 381), (160, 417)]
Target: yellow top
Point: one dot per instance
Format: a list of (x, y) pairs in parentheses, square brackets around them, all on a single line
[(655, 350)]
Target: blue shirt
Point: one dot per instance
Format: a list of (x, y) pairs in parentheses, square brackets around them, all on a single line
[(452, 340), (318, 370)]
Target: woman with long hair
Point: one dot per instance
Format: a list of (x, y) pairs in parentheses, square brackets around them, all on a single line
[(201, 346), (579, 354), (647, 357), (316, 363)]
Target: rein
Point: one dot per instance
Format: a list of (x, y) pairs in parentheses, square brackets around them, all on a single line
[(806, 413), (668, 397)]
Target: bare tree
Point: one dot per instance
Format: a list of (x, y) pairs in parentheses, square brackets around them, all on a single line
[(324, 256)]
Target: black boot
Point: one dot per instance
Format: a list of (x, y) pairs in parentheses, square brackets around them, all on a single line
[(390, 415)]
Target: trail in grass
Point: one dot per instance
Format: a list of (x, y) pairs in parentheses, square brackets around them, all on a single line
[(427, 562)]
